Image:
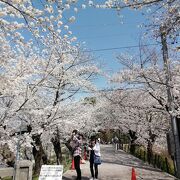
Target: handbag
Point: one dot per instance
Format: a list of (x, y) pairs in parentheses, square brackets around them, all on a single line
[(97, 160)]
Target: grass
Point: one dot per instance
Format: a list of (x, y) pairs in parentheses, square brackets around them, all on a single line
[(10, 178), (35, 178), (7, 178), (66, 164), (160, 163)]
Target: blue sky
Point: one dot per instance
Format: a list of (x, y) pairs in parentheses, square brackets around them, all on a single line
[(103, 28)]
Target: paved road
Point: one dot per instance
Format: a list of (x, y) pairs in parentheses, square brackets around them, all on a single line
[(118, 166)]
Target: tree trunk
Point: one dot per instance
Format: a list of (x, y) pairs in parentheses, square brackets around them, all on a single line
[(57, 150), (132, 147), (57, 147), (151, 141), (119, 138), (37, 153), (133, 138), (149, 151), (44, 157), (67, 143)]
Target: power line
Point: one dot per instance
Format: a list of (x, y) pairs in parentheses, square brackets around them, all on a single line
[(106, 25), (116, 48), (103, 36)]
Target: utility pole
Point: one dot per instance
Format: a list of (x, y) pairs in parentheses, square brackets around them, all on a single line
[(171, 107)]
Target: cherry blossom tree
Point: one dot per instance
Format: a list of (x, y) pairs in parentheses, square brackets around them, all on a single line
[(34, 84), (38, 72), (131, 114), (42, 68), (148, 74)]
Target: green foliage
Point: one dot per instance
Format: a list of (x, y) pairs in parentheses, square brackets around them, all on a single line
[(171, 167), (35, 178), (107, 135), (160, 161), (90, 100), (67, 164), (7, 178)]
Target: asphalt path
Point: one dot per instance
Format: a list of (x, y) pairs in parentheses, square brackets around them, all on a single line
[(117, 165)]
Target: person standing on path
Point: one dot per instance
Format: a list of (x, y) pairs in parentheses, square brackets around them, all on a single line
[(94, 149), (77, 140)]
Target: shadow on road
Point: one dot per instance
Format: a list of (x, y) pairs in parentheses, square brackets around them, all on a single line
[(132, 165), (110, 157), (122, 158)]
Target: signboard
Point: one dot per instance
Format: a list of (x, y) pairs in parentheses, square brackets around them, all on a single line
[(51, 172)]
